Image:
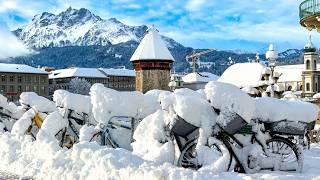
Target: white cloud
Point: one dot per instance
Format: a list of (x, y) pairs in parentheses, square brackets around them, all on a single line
[(10, 45), (195, 5)]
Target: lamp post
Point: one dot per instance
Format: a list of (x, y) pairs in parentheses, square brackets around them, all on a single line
[(272, 56)]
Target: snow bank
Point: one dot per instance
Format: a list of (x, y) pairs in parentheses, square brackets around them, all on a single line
[(43, 159), (229, 98), (272, 110), (107, 103), (39, 103), (77, 102)]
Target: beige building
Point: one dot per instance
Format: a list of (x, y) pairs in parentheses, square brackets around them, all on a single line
[(118, 79), (18, 78), (310, 75), (152, 62)]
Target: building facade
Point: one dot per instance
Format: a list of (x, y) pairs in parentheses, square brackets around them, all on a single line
[(152, 62), (118, 79), (18, 78)]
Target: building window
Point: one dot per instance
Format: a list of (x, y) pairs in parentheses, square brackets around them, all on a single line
[(42, 90), (11, 78), (35, 89), (19, 79), (308, 65), (28, 79), (3, 78), (42, 79), (27, 88), (11, 88), (19, 89), (308, 87), (289, 88), (35, 79)]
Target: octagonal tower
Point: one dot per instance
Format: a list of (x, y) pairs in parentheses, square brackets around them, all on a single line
[(152, 62)]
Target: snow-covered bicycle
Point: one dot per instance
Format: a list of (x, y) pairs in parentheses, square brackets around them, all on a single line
[(117, 133), (248, 152)]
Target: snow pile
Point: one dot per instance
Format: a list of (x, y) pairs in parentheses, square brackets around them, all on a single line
[(53, 123), (42, 159), (10, 108), (77, 102), (39, 103), (250, 90), (151, 102), (107, 103), (21, 125), (316, 96), (272, 110), (244, 74), (229, 98), (152, 139)]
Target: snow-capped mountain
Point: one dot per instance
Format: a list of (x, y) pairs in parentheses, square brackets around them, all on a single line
[(87, 40), (76, 28)]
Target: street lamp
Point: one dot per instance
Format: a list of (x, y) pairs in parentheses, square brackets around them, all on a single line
[(272, 56)]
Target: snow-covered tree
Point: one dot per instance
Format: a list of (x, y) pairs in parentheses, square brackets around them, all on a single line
[(79, 86)]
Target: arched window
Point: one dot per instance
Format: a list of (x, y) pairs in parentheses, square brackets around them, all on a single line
[(314, 64), (308, 65), (301, 88), (308, 87), (289, 88)]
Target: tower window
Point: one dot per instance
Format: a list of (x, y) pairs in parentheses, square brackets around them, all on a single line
[(314, 64), (308, 86), (308, 64)]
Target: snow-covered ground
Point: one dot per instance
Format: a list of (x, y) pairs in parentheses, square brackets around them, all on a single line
[(43, 159)]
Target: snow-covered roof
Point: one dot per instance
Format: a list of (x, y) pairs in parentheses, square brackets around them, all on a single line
[(119, 72), (290, 72), (77, 72), (244, 74), (20, 68), (199, 77), (152, 47)]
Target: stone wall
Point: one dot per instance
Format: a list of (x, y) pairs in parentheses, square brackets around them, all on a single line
[(152, 79)]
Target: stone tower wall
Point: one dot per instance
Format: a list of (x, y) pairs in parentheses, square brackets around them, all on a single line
[(152, 79)]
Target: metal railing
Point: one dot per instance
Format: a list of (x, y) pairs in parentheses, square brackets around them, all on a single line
[(309, 8)]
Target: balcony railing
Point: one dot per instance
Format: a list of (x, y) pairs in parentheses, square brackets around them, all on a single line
[(309, 8)]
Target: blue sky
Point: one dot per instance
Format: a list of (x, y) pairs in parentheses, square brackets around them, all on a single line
[(247, 25)]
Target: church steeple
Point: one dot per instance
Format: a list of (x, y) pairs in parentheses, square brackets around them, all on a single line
[(310, 76), (309, 47)]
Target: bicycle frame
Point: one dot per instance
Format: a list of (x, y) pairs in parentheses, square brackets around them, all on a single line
[(105, 134)]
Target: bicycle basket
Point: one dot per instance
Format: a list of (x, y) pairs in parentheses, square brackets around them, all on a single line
[(289, 127), (183, 128), (235, 124)]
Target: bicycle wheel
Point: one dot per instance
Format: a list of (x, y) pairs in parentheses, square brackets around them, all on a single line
[(288, 154), (188, 157)]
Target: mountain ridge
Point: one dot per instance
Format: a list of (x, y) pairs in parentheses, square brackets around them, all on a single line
[(87, 40)]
